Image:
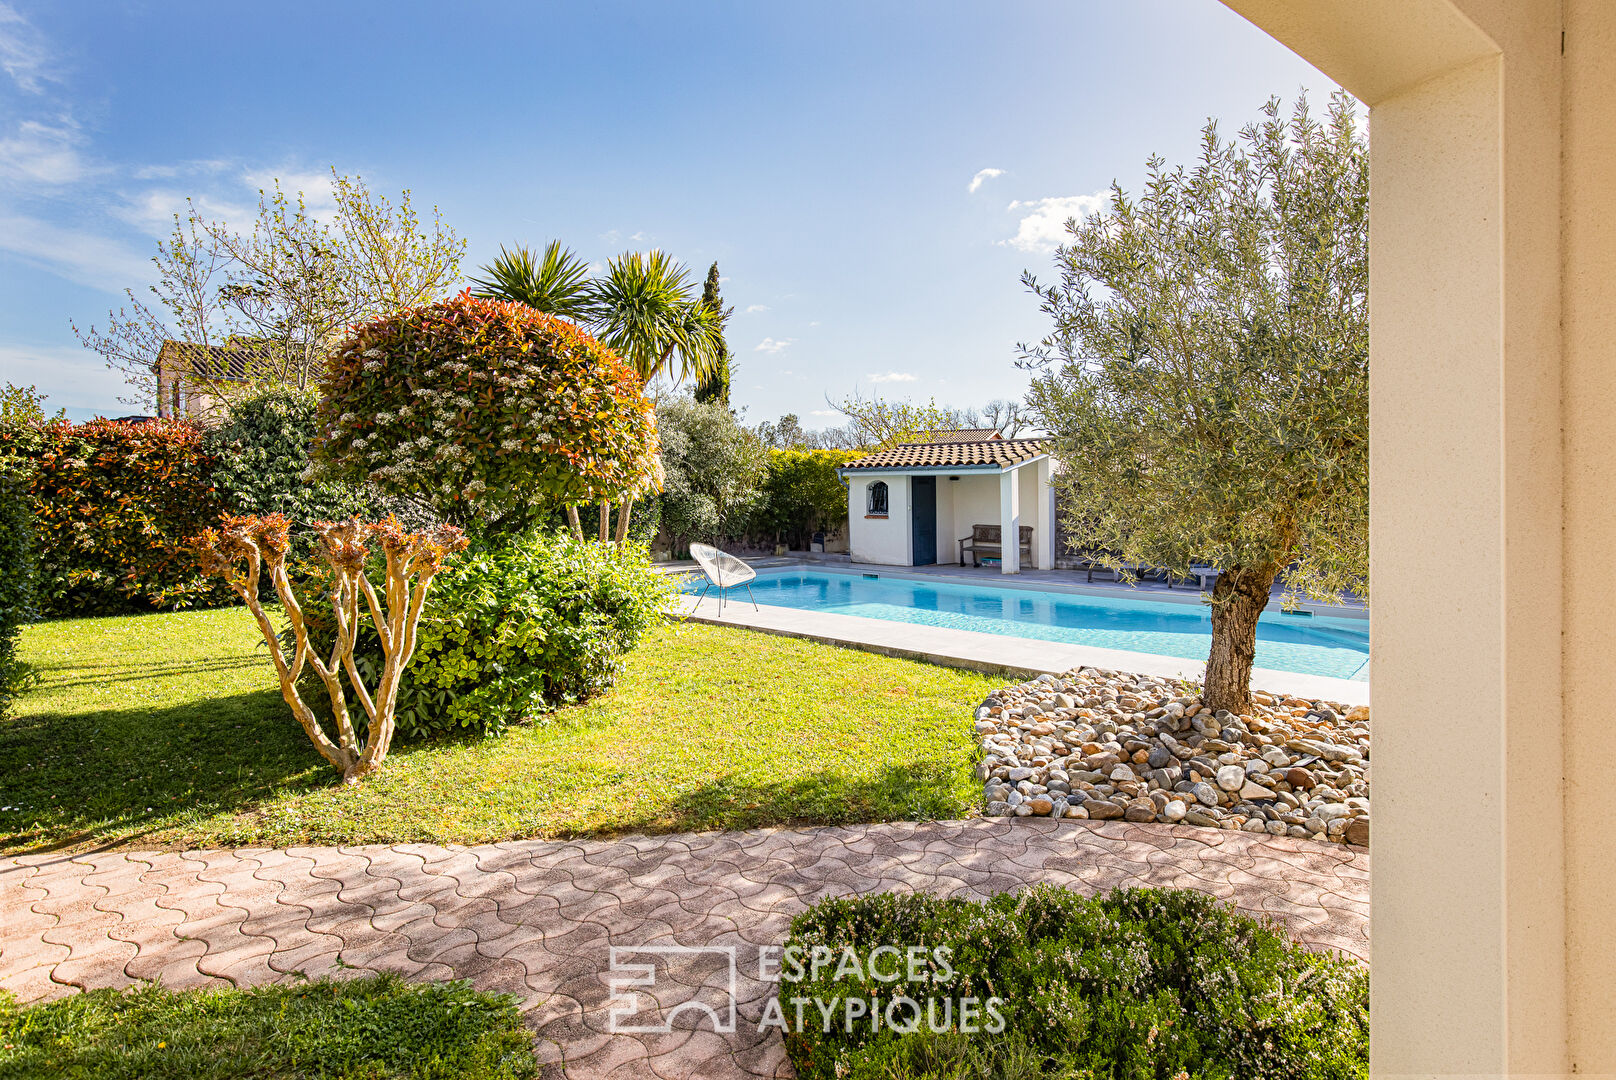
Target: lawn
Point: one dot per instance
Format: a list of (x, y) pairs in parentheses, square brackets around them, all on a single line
[(168, 730), (375, 1028)]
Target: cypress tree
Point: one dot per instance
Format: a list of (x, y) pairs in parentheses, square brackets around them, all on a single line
[(715, 387)]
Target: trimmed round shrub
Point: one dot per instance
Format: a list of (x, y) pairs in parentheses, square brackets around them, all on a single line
[(515, 629), (261, 455), (1143, 984), (491, 412), (114, 503)]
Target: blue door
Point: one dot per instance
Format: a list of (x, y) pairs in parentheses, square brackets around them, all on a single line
[(923, 518)]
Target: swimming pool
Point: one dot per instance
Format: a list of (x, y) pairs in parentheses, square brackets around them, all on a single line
[(1311, 645)]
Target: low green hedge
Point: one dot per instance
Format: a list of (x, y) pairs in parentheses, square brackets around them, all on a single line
[(374, 1028), (1143, 984)]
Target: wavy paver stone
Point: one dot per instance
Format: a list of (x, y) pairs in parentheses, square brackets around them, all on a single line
[(541, 919)]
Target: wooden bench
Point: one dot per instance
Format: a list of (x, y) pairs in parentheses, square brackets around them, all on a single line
[(986, 541)]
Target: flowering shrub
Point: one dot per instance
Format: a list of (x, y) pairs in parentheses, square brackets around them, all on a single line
[(1143, 983), (492, 412), (516, 629), (114, 504)]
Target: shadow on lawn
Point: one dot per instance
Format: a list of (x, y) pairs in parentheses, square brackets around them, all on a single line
[(920, 790), (94, 776)]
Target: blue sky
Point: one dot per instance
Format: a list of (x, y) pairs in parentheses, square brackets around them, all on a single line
[(872, 177)]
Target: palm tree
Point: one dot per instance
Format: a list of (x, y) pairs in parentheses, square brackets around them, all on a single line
[(644, 307), (556, 283)]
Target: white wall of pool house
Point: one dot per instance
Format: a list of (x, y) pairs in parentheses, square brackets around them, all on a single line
[(965, 498)]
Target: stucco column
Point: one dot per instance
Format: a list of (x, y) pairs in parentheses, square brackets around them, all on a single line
[(1043, 532), (1009, 522), (1470, 454)]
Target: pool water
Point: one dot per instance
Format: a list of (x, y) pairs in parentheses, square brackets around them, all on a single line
[(1311, 645)]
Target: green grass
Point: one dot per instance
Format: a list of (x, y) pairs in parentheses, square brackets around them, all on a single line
[(168, 730), (360, 1029)]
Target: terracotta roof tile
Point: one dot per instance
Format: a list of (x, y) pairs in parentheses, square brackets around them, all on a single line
[(973, 434), (950, 455)]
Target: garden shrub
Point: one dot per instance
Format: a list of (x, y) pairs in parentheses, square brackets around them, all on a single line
[(713, 470), (261, 453), (802, 493), (114, 503), (517, 628), (1143, 984), (16, 578), (491, 412)]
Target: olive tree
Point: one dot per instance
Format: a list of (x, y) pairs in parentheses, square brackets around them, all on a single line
[(713, 468), (1206, 382)]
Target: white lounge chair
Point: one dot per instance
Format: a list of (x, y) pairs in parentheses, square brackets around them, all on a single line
[(724, 570)]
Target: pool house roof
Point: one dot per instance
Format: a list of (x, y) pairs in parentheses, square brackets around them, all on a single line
[(994, 454)]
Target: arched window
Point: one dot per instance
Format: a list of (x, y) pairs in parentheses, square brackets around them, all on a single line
[(877, 499)]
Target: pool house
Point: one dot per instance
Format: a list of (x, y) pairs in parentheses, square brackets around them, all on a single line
[(953, 497)]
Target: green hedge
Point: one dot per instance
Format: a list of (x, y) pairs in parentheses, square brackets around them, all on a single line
[(261, 463), (114, 504), (1143, 984), (16, 578), (802, 493)]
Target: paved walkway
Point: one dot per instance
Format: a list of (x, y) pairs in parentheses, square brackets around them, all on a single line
[(541, 919)]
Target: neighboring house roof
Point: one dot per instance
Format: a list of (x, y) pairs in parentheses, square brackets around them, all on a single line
[(233, 361), (985, 454), (958, 435)]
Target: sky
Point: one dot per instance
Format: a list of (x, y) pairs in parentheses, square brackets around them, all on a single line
[(871, 176)]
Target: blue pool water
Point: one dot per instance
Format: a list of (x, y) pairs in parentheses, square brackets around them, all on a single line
[(1316, 645)]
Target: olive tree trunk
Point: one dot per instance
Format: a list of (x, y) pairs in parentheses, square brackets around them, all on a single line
[(1238, 598)]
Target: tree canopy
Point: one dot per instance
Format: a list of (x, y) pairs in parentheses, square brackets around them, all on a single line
[(280, 290), (1206, 381)]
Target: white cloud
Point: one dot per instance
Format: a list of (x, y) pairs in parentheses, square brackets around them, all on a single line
[(824, 412), (1043, 222), (74, 377), (771, 345), (893, 376), (78, 256), (982, 177), (153, 211), (753, 309), (23, 54), (44, 153)]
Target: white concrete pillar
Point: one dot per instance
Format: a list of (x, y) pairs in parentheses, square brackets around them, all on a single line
[(1043, 531), (1010, 522), (1492, 946)]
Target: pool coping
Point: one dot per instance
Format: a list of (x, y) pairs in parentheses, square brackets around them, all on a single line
[(994, 653)]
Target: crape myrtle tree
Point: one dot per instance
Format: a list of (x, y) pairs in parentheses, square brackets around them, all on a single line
[(1206, 383), (490, 412)]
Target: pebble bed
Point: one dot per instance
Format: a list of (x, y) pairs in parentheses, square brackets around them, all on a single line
[(1107, 745)]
